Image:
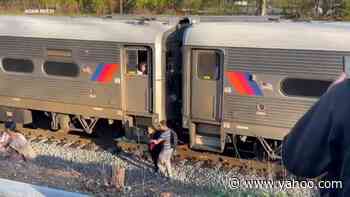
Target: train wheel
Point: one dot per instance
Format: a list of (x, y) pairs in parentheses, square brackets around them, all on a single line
[(64, 123)]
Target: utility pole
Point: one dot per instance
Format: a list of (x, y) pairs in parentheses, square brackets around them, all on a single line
[(121, 7)]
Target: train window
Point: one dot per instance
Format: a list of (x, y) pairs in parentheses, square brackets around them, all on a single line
[(304, 87), (17, 65), (137, 61), (208, 64), (62, 69)]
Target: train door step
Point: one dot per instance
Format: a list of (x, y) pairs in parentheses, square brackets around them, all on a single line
[(207, 143), (207, 137)]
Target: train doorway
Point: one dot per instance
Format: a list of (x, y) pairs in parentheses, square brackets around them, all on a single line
[(206, 86), (138, 78)]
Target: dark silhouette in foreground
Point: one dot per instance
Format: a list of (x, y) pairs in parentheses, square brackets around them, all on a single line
[(319, 144)]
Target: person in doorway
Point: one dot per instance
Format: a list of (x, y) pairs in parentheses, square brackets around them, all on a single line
[(166, 152), (319, 143), (142, 69)]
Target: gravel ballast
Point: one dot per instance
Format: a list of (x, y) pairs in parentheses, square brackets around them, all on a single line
[(89, 172)]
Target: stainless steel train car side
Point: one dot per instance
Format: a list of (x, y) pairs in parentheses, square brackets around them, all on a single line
[(256, 79), (84, 67)]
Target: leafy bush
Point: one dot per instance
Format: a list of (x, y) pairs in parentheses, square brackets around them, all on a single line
[(293, 8)]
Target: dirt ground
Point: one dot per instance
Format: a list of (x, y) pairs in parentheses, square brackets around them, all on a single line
[(96, 183), (66, 179)]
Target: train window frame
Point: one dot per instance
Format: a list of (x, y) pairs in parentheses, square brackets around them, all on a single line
[(61, 76), (196, 61), (17, 72), (302, 80), (134, 72)]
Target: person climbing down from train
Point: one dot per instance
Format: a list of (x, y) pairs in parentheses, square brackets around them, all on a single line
[(319, 143), (15, 144), (167, 138), (154, 149), (142, 69)]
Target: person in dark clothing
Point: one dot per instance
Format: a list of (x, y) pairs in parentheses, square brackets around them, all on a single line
[(164, 159), (154, 149), (319, 143)]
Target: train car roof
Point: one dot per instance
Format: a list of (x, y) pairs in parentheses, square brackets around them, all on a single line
[(82, 28), (277, 35)]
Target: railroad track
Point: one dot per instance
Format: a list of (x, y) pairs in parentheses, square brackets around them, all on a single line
[(204, 159)]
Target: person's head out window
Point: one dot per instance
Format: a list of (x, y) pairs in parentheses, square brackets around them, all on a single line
[(138, 61), (142, 69)]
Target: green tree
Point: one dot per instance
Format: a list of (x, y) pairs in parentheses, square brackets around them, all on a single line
[(345, 9), (99, 6), (155, 5), (193, 4)]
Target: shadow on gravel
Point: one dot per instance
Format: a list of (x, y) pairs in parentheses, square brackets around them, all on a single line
[(132, 160), (140, 179), (104, 134)]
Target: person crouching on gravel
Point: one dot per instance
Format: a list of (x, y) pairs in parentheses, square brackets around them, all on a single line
[(15, 144), (167, 150)]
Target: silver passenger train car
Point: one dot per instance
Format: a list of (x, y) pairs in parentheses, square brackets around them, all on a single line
[(84, 69), (256, 79), (224, 81)]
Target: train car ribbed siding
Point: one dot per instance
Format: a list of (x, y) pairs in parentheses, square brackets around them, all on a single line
[(63, 89), (299, 63), (280, 112), (84, 51), (240, 105)]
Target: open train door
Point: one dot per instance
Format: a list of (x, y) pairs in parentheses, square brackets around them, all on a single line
[(206, 98), (138, 80)]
